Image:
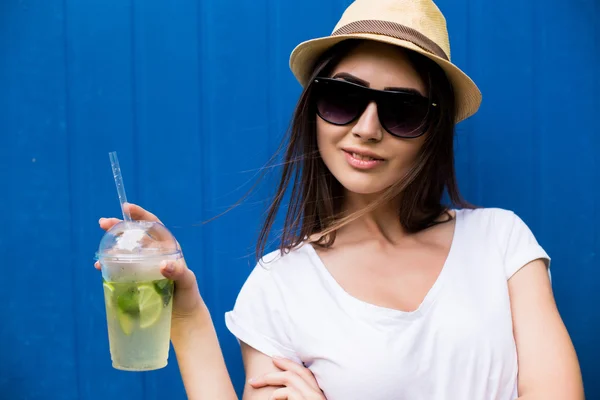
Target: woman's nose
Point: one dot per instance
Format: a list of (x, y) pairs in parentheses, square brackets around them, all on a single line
[(368, 127)]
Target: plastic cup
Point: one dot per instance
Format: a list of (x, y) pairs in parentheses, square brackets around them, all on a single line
[(137, 296)]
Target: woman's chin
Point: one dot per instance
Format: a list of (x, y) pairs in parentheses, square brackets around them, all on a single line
[(363, 186)]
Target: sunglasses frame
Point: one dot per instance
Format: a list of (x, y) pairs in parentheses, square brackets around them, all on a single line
[(375, 95)]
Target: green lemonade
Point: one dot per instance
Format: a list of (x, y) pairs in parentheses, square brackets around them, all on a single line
[(139, 323)]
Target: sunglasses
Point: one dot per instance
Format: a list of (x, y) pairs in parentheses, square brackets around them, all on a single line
[(403, 114)]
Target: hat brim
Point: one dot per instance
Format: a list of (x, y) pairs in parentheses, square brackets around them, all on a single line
[(306, 54)]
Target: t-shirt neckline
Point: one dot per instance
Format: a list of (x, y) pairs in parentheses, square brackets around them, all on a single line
[(369, 310)]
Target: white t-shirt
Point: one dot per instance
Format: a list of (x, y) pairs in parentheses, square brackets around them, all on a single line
[(458, 344)]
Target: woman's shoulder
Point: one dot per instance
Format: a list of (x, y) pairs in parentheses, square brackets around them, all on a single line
[(493, 223), (507, 232), (490, 217), (485, 211), (280, 277), (286, 263)]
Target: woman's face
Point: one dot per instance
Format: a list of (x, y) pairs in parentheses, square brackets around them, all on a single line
[(345, 149)]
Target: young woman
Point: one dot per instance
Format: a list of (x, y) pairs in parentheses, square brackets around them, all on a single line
[(380, 291)]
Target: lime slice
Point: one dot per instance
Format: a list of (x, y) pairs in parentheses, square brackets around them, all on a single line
[(128, 299), (109, 290), (126, 322), (150, 305)]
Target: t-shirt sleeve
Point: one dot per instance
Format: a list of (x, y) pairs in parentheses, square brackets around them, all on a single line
[(259, 317), (518, 245)]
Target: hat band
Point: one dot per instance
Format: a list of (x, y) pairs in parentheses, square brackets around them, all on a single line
[(394, 30)]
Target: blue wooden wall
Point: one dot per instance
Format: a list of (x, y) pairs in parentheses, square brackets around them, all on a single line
[(194, 95)]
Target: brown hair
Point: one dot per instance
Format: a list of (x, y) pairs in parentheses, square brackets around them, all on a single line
[(316, 196)]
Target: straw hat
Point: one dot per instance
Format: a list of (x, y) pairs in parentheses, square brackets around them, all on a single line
[(416, 25)]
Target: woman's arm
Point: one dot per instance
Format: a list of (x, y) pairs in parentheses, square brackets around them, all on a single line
[(256, 365), (200, 359), (201, 363), (205, 375), (548, 365), (277, 378), (199, 354)]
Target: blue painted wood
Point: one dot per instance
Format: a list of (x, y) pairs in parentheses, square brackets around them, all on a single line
[(168, 131), (195, 96), (99, 118), (569, 168), (37, 333)]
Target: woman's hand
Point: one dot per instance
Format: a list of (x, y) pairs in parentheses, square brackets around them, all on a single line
[(187, 300), (297, 382)]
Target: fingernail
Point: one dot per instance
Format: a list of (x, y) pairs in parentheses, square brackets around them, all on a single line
[(101, 220), (170, 267), (251, 380)]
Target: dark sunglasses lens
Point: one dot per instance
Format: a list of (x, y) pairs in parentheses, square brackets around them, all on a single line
[(337, 103), (406, 116)]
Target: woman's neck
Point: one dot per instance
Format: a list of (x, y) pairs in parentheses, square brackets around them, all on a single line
[(382, 224)]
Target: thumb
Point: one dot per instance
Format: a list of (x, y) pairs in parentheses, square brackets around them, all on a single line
[(177, 271), (187, 297)]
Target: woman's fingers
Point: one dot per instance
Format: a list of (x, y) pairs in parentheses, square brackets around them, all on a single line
[(300, 370), (283, 394), (177, 270), (107, 223), (137, 213), (283, 378), (187, 298), (297, 382), (140, 214)]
